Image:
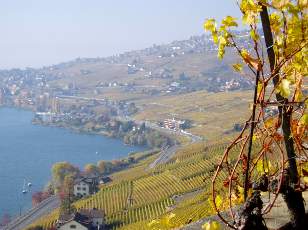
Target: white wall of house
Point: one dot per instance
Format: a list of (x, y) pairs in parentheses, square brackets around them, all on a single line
[(81, 189), (73, 225)]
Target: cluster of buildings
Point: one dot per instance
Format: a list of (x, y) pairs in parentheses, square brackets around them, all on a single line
[(173, 124), (84, 219), (231, 85)]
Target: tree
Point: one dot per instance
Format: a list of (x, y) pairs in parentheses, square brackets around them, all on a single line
[(117, 164), (91, 169), (49, 188), (104, 167), (268, 139), (66, 196), (38, 197), (62, 169), (66, 207)]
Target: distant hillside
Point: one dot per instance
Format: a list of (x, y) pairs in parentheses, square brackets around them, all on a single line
[(191, 63), (160, 74)]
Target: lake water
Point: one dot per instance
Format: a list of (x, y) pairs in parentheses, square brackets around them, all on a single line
[(28, 151)]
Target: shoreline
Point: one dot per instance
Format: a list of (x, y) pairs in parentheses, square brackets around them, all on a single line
[(80, 162), (73, 129)]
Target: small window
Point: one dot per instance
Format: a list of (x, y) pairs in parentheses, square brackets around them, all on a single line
[(73, 226), (78, 188), (84, 189)]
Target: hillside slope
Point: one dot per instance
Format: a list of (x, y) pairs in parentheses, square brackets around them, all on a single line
[(138, 195)]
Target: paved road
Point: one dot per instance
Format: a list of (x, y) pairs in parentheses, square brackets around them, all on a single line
[(35, 213), (165, 154), (81, 98)]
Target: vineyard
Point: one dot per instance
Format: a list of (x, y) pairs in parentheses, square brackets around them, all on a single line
[(138, 195)]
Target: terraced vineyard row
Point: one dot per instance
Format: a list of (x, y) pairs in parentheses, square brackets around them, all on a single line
[(191, 210), (142, 213), (141, 199), (111, 199)]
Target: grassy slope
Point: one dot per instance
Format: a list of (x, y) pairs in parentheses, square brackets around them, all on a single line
[(212, 113)]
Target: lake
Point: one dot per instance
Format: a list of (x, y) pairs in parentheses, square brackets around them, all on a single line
[(27, 153)]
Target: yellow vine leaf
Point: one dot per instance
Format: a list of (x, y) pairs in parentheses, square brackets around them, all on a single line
[(254, 35), (298, 96), (229, 21), (211, 225), (253, 62), (269, 122), (215, 37), (222, 45), (237, 67), (303, 3), (263, 167), (275, 21), (284, 88), (259, 87), (209, 25), (218, 201), (251, 10), (240, 198), (304, 120), (280, 4)]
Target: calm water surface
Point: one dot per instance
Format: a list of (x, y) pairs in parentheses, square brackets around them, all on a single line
[(28, 151)]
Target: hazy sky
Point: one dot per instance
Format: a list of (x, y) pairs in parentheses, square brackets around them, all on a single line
[(43, 32)]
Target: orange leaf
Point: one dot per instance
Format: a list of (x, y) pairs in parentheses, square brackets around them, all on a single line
[(253, 62)]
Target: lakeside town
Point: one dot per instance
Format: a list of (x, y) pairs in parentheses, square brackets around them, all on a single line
[(59, 100)]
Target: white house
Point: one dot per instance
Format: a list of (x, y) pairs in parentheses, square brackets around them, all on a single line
[(85, 186), (84, 219)]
